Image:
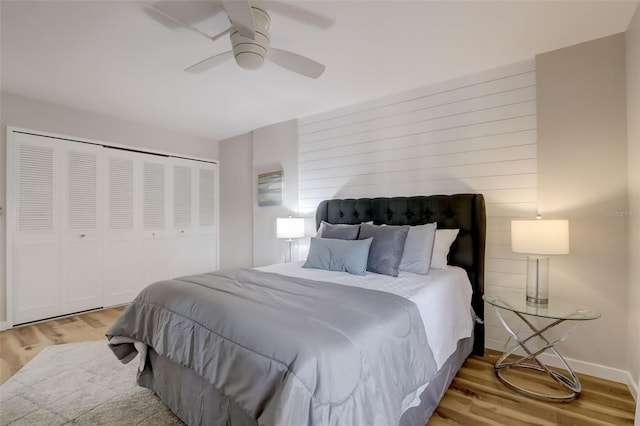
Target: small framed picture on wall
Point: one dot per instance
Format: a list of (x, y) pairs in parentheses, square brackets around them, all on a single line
[(270, 189)]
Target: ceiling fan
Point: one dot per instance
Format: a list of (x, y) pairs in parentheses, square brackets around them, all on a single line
[(250, 41)]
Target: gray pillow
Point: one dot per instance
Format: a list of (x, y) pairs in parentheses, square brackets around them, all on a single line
[(386, 249), (416, 257), (339, 231), (339, 255)]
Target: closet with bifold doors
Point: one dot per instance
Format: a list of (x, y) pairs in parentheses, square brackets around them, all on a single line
[(90, 224)]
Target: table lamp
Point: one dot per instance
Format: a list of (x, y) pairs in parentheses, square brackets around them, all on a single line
[(290, 228), (539, 238)]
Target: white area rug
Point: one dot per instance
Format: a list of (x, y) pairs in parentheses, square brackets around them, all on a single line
[(80, 384)]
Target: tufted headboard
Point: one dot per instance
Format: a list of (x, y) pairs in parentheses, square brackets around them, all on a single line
[(460, 211)]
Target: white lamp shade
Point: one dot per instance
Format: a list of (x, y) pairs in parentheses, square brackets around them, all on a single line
[(540, 236), (290, 227)]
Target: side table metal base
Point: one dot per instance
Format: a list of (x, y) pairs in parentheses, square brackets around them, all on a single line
[(531, 361)]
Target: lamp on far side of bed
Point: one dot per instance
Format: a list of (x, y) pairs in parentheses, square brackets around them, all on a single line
[(290, 228), (538, 239)]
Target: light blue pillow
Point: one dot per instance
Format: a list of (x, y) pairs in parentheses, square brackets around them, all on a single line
[(339, 255)]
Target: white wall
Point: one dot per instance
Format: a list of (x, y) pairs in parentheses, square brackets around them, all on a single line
[(435, 140), (474, 134), (236, 209), (275, 147), (247, 231), (633, 134), (462, 135), (582, 176), (47, 117)]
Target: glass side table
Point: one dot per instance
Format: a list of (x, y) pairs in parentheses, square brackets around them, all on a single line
[(558, 311)]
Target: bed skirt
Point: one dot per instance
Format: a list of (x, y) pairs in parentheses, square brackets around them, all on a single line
[(431, 396), (196, 402)]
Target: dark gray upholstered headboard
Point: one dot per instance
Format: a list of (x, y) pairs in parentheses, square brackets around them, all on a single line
[(462, 211)]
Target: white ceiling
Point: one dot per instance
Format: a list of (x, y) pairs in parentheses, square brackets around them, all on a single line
[(110, 57)]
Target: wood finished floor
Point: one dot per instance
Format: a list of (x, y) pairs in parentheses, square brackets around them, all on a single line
[(475, 398)]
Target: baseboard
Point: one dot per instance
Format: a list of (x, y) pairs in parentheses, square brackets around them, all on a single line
[(633, 388), (4, 325), (583, 367)]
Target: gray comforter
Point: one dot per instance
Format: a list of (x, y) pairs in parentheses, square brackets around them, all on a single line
[(289, 351)]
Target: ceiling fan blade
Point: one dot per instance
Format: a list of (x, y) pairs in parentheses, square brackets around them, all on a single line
[(217, 36), (210, 62), (173, 22), (299, 14), (162, 17), (187, 12), (296, 63), (241, 16)]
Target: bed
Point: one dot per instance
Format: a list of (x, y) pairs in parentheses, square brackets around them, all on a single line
[(333, 352)]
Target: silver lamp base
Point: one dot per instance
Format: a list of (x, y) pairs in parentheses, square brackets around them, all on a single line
[(537, 301), (537, 280)]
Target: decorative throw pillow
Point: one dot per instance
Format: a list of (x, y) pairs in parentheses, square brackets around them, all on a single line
[(339, 255), (441, 245), (338, 231), (386, 249), (418, 248)]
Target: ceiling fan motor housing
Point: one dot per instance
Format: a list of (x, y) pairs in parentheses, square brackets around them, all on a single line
[(249, 53)]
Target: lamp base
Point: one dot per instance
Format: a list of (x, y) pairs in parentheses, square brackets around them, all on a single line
[(537, 280), (537, 301), (288, 259)]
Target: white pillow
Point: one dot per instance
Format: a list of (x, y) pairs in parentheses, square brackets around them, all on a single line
[(418, 249), (441, 245)]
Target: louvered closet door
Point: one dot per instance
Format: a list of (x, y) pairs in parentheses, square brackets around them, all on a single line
[(81, 231), (155, 220), (183, 221), (33, 223), (90, 226), (206, 241), (121, 242)]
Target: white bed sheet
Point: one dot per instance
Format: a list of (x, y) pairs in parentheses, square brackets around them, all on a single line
[(443, 298)]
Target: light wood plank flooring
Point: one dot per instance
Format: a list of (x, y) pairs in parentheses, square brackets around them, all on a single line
[(475, 397), (19, 345)]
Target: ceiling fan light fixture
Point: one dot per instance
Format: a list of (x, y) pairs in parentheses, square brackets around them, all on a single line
[(250, 53), (250, 44), (249, 60)]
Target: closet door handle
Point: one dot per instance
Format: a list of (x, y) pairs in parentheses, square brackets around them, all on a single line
[(82, 235)]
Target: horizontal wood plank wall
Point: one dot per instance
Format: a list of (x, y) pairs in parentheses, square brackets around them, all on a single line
[(473, 134)]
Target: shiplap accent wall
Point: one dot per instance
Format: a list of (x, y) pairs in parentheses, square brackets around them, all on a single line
[(472, 134)]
